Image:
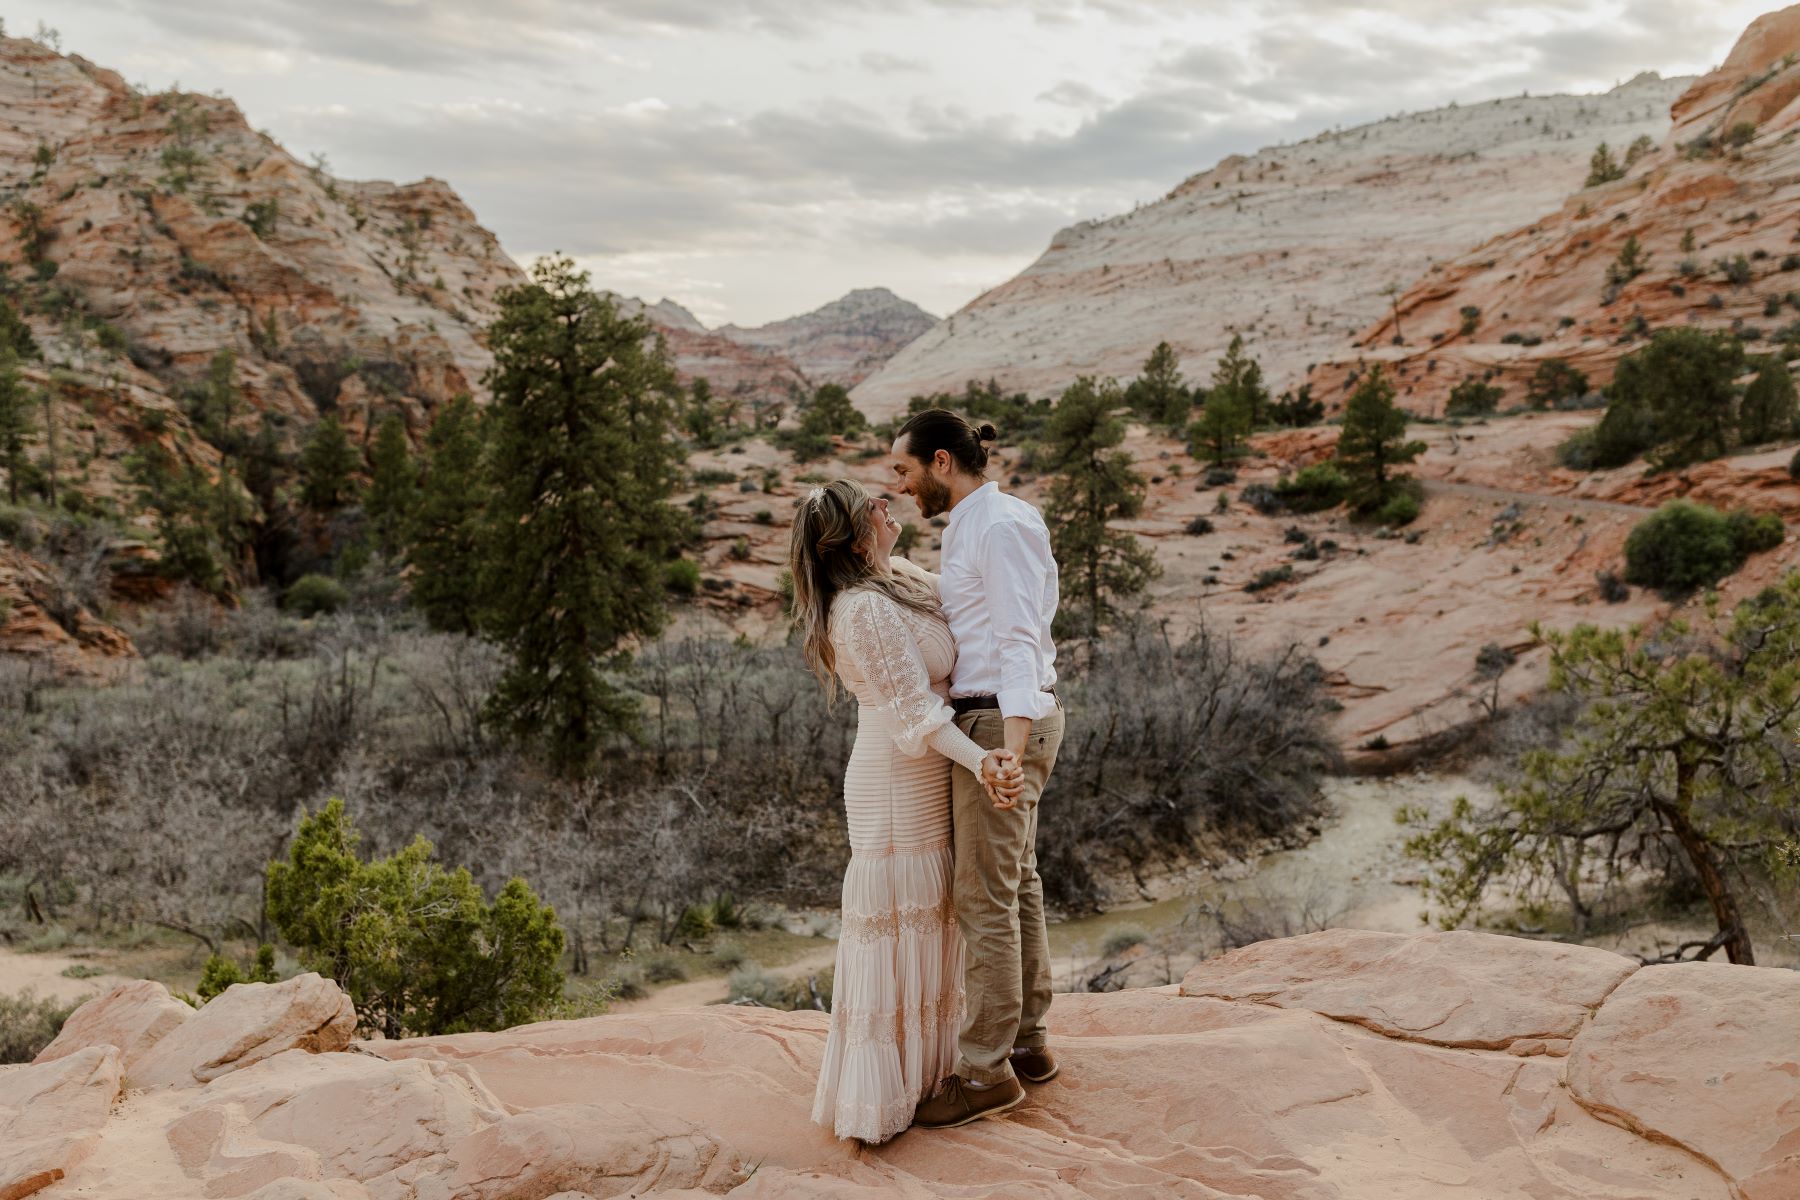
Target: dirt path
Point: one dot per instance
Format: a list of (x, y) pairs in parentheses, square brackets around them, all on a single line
[(1481, 491), (43, 974)]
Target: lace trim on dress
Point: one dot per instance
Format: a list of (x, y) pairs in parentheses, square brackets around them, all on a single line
[(886, 654), (915, 1024), (914, 918)]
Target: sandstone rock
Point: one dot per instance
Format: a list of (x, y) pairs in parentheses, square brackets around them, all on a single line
[(247, 1023), (1262, 238), (601, 1150), (1707, 1056), (51, 1115), (132, 1017), (843, 341), (1451, 989)]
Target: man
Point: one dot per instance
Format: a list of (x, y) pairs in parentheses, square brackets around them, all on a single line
[(998, 583)]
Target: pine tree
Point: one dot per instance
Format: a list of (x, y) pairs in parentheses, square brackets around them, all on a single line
[(202, 525), (1768, 409), (15, 421), (1223, 424), (393, 484), (583, 464), (831, 413), (327, 468), (1373, 442), (443, 530), (15, 334), (1157, 395), (699, 416), (1241, 376), (1603, 167), (1094, 485)]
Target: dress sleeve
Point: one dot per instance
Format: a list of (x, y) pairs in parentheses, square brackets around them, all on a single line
[(885, 653), (906, 566)]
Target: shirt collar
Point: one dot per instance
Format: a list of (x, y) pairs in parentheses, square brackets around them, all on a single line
[(979, 495)]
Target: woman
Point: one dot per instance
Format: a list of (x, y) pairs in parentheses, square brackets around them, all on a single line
[(897, 998)]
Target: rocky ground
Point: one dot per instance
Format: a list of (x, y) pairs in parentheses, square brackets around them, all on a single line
[(1334, 1065)]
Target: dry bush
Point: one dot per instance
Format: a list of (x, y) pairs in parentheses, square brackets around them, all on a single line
[(1166, 741)]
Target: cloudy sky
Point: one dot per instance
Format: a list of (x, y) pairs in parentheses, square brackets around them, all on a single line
[(757, 158)]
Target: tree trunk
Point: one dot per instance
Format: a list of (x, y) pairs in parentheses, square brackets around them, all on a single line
[(1712, 880)]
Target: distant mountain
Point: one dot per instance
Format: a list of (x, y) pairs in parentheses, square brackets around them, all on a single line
[(1293, 246), (843, 341), (1721, 190)]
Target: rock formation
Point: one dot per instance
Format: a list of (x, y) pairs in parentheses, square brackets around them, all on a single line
[(841, 342), (1292, 247), (1720, 187), (1332, 1066)]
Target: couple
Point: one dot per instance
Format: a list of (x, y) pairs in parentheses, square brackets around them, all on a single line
[(956, 735)]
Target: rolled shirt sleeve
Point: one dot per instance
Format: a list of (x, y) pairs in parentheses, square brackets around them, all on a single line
[(1014, 566)]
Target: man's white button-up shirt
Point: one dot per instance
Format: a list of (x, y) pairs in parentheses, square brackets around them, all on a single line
[(998, 583)]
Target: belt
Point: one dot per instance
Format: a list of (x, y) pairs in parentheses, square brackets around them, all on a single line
[(963, 704)]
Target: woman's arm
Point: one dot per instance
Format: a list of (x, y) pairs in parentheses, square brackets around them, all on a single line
[(884, 652)]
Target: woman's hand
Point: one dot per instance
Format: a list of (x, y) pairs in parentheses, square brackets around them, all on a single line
[(1002, 777)]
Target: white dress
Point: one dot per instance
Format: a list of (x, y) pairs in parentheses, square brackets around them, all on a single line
[(897, 998)]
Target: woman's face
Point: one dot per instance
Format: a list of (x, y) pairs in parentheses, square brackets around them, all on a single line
[(885, 528)]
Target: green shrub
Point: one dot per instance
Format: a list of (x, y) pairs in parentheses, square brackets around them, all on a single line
[(740, 549), (310, 595), (751, 982), (1753, 533), (1314, 488), (1270, 577), (1612, 588), (1679, 547), (1402, 508), (221, 972), (696, 921), (28, 1023), (1198, 527), (729, 954), (417, 947), (1577, 451), (1554, 383), (712, 477), (1262, 498), (1473, 397), (682, 577)]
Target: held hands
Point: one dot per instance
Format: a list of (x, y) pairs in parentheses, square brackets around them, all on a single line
[(1003, 777)]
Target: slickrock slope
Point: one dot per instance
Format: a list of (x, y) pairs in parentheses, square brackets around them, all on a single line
[(1341, 1065), (149, 231), (841, 342), (1548, 279), (1291, 246)]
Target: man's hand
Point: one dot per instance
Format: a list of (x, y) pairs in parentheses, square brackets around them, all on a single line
[(1003, 778)]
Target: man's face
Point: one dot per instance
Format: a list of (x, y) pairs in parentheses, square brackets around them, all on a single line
[(918, 480)]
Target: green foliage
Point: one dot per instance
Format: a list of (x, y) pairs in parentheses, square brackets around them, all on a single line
[(682, 577), (1603, 167), (1640, 146), (1402, 507), (1094, 484), (1681, 546), (202, 525), (1019, 419), (583, 463), (213, 405), (16, 404), (1373, 443), (1682, 750), (444, 528), (1674, 396), (261, 216), (700, 414), (827, 415), (1753, 533), (28, 1023), (1269, 577), (1240, 378), (1555, 382), (15, 334), (1473, 397), (417, 947), (310, 595), (1631, 263), (1313, 489), (1739, 135), (1736, 270), (1297, 409), (328, 465), (1157, 395), (1768, 410), (221, 972), (393, 485)]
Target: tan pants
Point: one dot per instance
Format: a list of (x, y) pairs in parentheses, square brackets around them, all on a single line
[(1000, 902)]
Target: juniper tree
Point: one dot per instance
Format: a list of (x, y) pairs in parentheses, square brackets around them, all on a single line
[(698, 416), (1555, 380), (1223, 423), (583, 462), (1682, 758), (1603, 167), (393, 484), (1240, 375), (444, 528), (1675, 397), (1093, 485), (1373, 442), (327, 468), (1157, 395)]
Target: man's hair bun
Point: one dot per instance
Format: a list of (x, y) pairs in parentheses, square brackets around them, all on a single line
[(987, 433)]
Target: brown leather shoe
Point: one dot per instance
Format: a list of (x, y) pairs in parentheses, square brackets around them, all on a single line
[(1034, 1064), (957, 1104)]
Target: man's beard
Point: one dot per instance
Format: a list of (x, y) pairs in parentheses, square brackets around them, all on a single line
[(933, 496)]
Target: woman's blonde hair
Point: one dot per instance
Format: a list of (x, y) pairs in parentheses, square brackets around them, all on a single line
[(829, 555)]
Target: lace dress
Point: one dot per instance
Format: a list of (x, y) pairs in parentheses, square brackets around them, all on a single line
[(897, 998)]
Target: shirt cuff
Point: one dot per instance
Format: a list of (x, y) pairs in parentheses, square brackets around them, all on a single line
[(1025, 702)]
